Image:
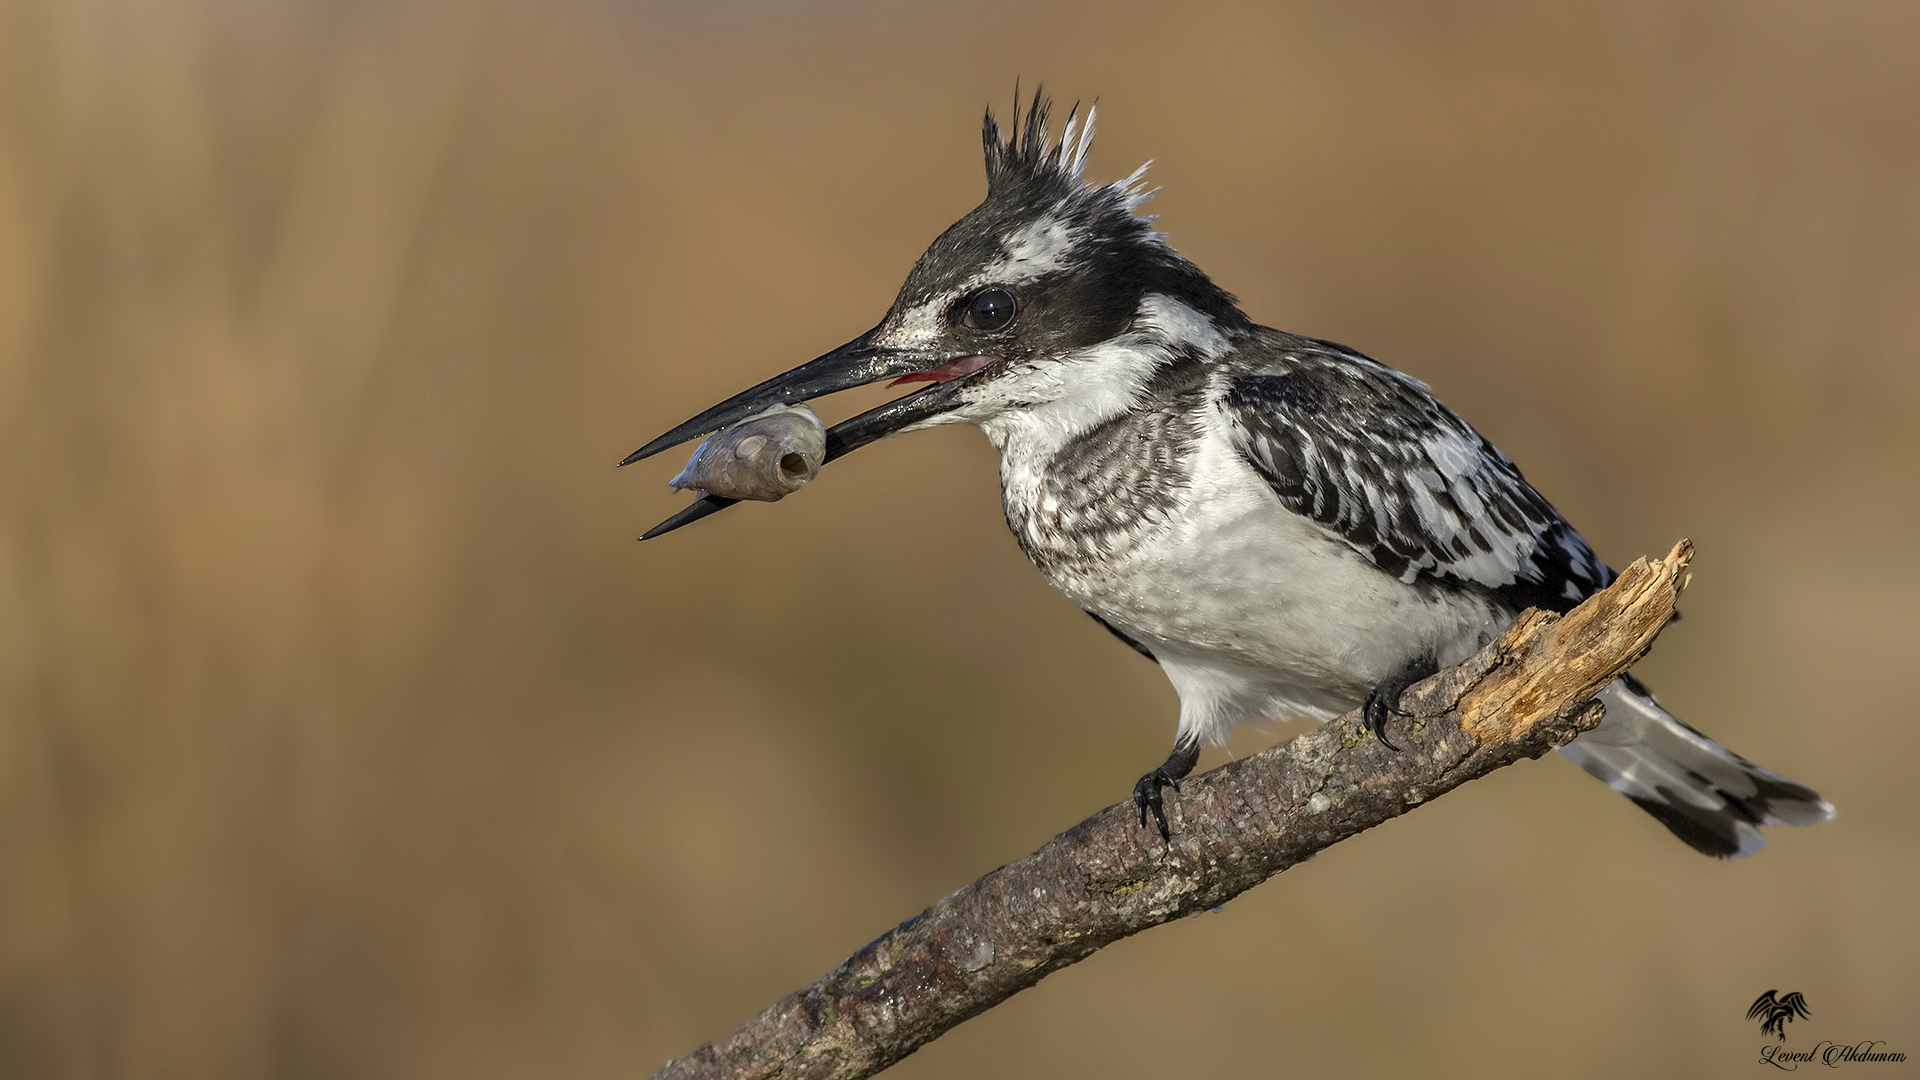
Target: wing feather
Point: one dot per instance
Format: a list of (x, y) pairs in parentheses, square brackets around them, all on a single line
[(1369, 454)]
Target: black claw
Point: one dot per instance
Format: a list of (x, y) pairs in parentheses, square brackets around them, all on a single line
[(1373, 716), (1146, 796), (1146, 793), (1384, 700)]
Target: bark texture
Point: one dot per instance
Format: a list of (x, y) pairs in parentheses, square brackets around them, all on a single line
[(1233, 828)]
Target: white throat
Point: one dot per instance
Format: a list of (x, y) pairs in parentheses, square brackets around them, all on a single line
[(1029, 413)]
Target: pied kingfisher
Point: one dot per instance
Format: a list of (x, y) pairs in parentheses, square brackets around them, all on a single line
[(1288, 527)]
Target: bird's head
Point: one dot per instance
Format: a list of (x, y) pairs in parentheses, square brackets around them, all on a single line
[(1052, 301)]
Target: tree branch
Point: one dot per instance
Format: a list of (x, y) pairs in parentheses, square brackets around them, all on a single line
[(1233, 828)]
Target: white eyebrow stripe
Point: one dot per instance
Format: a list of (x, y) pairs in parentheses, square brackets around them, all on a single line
[(1035, 251)]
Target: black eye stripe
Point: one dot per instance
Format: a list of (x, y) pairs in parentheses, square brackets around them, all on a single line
[(988, 310)]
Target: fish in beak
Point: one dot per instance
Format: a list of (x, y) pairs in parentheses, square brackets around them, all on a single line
[(859, 362)]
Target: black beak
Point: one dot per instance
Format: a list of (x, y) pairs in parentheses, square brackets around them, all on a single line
[(857, 363)]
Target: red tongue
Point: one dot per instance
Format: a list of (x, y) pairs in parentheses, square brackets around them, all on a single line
[(947, 372)]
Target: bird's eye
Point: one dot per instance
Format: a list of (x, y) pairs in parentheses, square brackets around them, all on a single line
[(990, 309)]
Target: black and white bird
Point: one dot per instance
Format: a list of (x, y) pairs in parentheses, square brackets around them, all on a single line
[(1288, 527)]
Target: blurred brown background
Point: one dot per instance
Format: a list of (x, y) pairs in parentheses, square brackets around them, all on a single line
[(345, 731)]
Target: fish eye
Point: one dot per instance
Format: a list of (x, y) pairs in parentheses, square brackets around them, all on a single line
[(989, 310)]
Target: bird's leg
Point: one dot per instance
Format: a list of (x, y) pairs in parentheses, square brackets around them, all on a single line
[(1384, 699), (1146, 793)]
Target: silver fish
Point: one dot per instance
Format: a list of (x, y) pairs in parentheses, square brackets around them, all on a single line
[(765, 457)]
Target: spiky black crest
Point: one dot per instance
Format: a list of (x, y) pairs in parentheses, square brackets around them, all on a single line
[(1105, 249), (1027, 170), (1027, 158)]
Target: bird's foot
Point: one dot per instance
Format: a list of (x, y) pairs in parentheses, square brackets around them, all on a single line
[(1146, 793), (1383, 700), (1146, 796)]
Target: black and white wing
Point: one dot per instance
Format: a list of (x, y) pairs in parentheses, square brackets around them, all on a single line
[(1367, 453)]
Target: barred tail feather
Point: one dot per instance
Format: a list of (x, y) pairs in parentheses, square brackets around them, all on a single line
[(1709, 796)]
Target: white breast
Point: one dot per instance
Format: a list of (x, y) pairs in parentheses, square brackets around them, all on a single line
[(1252, 610)]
